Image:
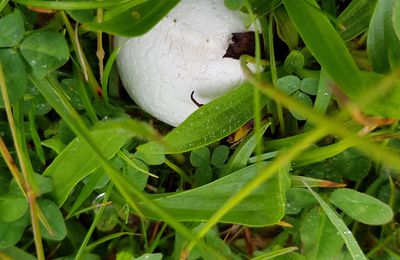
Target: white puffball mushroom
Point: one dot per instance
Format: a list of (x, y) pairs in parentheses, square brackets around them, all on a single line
[(181, 54)]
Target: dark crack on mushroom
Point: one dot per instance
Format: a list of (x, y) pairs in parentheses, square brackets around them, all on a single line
[(242, 43)]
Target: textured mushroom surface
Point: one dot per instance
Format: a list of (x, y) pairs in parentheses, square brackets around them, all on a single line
[(181, 54)]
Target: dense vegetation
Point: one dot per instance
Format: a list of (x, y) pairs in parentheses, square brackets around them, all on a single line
[(85, 174)]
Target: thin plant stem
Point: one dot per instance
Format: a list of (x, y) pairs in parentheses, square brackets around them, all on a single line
[(107, 71), (30, 192), (100, 49), (155, 242), (96, 220), (87, 71), (78, 212), (382, 243), (12, 166), (178, 170), (274, 76), (256, 93)]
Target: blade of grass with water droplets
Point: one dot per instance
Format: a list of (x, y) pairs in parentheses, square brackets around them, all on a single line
[(343, 230)]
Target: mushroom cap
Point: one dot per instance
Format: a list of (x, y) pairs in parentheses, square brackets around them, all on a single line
[(182, 53)]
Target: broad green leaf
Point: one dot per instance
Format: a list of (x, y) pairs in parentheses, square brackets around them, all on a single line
[(342, 229), (11, 29), (133, 175), (108, 219), (396, 19), (350, 163), (298, 181), (14, 73), (212, 240), (54, 143), (45, 185), (125, 254), (5, 178), (156, 256), (303, 98), (233, 4), (150, 159), (71, 90), (309, 86), (134, 18), (17, 253), (77, 161), (45, 52), (202, 175), (325, 44), (209, 123), (319, 237), (297, 199), (288, 84), (362, 207), (12, 207), (323, 97), (86, 257), (285, 28), (277, 144), (243, 152), (383, 45), (265, 206), (219, 155), (263, 7), (294, 62), (200, 157), (353, 164), (291, 256), (82, 16), (355, 19), (11, 232), (91, 184), (55, 219), (71, 4)]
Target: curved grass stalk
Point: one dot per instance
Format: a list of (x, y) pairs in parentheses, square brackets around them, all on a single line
[(336, 127)]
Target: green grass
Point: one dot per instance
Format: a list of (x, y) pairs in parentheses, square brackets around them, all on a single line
[(84, 175)]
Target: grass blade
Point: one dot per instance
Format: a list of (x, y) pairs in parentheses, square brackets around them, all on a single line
[(343, 230)]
